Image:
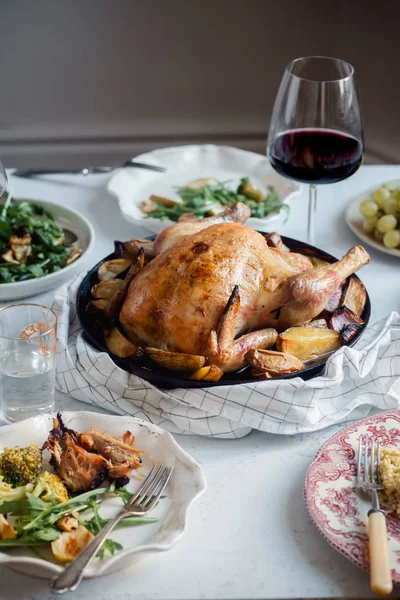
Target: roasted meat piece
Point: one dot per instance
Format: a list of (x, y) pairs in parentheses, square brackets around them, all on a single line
[(79, 469), (122, 456)]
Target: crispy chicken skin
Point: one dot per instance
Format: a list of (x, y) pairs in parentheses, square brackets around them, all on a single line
[(178, 301), (85, 460), (80, 470), (121, 454)]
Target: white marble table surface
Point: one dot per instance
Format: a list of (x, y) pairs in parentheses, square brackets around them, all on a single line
[(250, 535)]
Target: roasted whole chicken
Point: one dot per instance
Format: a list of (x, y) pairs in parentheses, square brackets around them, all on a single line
[(216, 289)]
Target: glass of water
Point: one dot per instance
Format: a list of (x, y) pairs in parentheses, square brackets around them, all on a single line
[(28, 339)]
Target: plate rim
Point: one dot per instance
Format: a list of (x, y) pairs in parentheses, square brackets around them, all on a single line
[(153, 224), (331, 439), (107, 566), (357, 230), (48, 204)]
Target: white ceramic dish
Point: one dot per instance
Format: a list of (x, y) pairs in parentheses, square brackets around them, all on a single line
[(185, 163), (354, 219), (187, 483), (75, 222)]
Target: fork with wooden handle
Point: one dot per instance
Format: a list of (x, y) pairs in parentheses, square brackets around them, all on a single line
[(381, 577), (140, 504)]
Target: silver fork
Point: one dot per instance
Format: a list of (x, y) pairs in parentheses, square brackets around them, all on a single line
[(367, 481), (140, 504)]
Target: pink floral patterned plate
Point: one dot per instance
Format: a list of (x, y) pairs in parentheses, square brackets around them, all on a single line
[(337, 510)]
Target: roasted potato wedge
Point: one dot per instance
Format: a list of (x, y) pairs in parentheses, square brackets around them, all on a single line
[(176, 361), (118, 344), (214, 374), (7, 531), (107, 289), (198, 184), (318, 263), (168, 202), (276, 363), (70, 544), (354, 296), (317, 323), (148, 206), (200, 373), (100, 304), (306, 343), (111, 268)]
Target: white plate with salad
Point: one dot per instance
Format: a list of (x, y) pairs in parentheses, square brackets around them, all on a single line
[(202, 179), (36, 252), (48, 511)]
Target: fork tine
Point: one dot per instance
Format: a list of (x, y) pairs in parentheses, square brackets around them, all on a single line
[(149, 499), (359, 458), (144, 485), (150, 489), (378, 462), (366, 459), (166, 477), (372, 465)]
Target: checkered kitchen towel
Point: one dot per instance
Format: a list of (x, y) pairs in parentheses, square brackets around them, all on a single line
[(355, 380)]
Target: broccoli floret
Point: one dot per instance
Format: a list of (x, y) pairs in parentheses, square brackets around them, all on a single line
[(20, 466)]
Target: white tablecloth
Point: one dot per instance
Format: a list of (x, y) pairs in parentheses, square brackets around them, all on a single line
[(269, 549)]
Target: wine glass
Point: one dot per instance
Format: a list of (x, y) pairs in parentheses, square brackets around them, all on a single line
[(316, 131), (3, 179)]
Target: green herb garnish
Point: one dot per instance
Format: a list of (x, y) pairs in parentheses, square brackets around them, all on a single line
[(213, 197)]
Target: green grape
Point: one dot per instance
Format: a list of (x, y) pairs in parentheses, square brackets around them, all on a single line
[(386, 223), (381, 195), (370, 224), (369, 208), (391, 239), (390, 206), (378, 235), (396, 194)]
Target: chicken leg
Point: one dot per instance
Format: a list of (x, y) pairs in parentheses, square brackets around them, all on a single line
[(307, 293)]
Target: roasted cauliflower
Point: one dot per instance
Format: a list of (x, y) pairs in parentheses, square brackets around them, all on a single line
[(50, 487), (8, 492), (20, 466)]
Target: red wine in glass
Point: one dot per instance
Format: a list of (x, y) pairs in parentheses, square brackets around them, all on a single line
[(316, 131), (315, 155)]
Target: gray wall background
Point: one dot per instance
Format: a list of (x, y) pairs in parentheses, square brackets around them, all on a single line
[(99, 80)]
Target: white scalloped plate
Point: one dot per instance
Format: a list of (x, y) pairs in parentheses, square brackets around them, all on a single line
[(187, 483), (185, 163), (354, 218)]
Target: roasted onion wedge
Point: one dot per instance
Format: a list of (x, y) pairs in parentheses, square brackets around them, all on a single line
[(107, 289), (276, 363), (118, 344), (176, 361), (306, 343), (111, 268), (354, 296)]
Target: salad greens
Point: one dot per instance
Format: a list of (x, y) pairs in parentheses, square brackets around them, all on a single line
[(212, 198), (35, 520), (31, 242)]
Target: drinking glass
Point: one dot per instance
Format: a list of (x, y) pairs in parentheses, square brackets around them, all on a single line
[(3, 179), (28, 338), (316, 131)]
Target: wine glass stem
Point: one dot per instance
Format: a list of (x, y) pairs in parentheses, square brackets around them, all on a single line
[(312, 209)]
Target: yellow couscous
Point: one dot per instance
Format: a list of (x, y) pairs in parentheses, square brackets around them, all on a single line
[(390, 477)]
